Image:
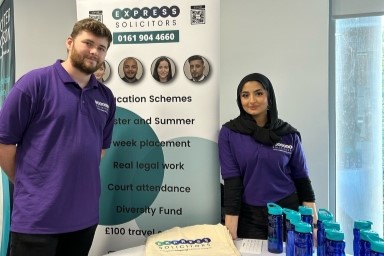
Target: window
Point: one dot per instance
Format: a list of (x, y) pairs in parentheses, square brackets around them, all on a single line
[(359, 123)]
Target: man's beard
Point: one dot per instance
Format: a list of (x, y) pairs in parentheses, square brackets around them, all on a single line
[(130, 76), (197, 76), (79, 63)]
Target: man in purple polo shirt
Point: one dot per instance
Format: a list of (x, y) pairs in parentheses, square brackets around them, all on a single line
[(55, 126)]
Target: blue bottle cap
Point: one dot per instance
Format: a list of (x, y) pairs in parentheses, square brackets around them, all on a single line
[(372, 238), (368, 235), (291, 215), (302, 227), (286, 211), (323, 214), (329, 224), (362, 224), (334, 235), (378, 245), (304, 210), (295, 221), (274, 209)]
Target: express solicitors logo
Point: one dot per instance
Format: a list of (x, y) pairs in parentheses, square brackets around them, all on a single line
[(184, 241), (283, 147), (146, 12), (184, 244), (136, 17)]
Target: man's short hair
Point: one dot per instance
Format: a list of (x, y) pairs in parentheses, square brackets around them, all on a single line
[(130, 58), (94, 26), (195, 57)]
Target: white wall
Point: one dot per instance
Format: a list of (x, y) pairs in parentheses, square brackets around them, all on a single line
[(357, 7), (285, 40), (288, 42), (41, 27)]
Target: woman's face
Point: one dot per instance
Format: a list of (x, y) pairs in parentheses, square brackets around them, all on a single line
[(254, 100), (163, 70), (100, 73)]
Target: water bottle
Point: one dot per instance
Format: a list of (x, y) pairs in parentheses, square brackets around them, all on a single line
[(303, 239), (366, 236), (322, 215), (377, 247), (329, 224), (334, 243), (275, 228), (306, 214), (357, 226), (291, 216), (285, 222)]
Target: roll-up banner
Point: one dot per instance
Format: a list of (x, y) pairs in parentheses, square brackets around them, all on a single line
[(162, 168), (7, 79)]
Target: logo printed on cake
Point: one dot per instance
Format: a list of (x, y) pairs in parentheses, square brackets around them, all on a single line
[(184, 244)]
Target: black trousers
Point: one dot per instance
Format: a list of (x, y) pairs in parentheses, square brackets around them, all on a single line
[(253, 220), (76, 243)]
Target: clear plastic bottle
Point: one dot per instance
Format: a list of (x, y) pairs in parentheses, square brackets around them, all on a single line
[(275, 228), (366, 236), (357, 226), (303, 239), (291, 216), (334, 243), (322, 215), (377, 247)]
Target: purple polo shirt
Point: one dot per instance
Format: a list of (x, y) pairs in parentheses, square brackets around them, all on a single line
[(267, 171), (60, 130)]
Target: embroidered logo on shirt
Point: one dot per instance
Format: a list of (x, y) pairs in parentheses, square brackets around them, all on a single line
[(283, 147), (102, 106)]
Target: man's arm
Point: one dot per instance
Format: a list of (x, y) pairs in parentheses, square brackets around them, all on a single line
[(8, 160)]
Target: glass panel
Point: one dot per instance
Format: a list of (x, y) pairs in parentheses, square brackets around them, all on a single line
[(359, 99)]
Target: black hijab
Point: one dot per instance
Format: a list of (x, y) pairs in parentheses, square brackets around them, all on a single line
[(271, 133)]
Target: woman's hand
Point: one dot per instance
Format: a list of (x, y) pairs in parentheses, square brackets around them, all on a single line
[(231, 224), (314, 236), (314, 232)]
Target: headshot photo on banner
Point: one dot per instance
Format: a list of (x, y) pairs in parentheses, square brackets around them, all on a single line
[(7, 78), (162, 168)]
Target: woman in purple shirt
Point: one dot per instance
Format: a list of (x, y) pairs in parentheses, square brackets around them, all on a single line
[(262, 161)]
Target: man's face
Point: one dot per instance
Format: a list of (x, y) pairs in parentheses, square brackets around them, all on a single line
[(196, 68), (130, 68), (87, 52)]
